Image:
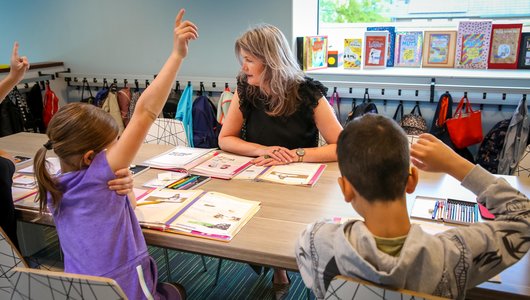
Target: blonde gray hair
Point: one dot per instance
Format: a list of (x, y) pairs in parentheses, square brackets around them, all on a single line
[(282, 74)]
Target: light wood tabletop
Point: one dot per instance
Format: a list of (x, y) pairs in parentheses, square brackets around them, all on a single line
[(269, 237)]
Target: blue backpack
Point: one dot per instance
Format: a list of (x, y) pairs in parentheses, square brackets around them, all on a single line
[(205, 126)]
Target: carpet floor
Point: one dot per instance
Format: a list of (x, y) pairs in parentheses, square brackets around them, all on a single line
[(236, 280)]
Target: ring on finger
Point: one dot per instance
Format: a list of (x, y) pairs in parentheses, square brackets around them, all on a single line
[(266, 156)]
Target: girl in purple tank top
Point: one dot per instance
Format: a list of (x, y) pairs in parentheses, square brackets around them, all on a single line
[(97, 228)]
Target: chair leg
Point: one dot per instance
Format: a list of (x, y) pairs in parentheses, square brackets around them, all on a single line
[(218, 271), (168, 268), (204, 263)]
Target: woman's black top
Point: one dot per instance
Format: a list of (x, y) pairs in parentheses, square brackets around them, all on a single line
[(8, 222), (295, 131)]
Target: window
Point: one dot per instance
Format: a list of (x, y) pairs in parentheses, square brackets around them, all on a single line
[(349, 18)]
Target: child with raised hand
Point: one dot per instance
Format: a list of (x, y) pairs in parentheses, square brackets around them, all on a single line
[(98, 230), (386, 248)]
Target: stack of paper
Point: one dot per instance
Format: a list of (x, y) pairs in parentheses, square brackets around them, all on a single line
[(25, 181), (52, 163)]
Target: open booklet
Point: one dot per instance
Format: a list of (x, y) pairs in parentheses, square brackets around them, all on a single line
[(304, 174), (195, 212), (223, 165), (180, 158)]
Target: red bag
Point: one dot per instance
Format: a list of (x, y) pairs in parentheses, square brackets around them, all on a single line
[(51, 105), (465, 129)]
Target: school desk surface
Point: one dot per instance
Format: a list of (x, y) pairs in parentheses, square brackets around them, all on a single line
[(269, 237)]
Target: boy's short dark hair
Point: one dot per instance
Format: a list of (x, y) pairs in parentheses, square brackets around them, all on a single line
[(373, 154)]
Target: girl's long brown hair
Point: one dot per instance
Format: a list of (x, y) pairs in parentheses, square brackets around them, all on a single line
[(73, 131)]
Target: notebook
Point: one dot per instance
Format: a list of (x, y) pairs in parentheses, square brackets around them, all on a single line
[(223, 165), (180, 158), (209, 215), (303, 174)]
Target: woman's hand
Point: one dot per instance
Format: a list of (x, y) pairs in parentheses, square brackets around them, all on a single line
[(123, 184), (267, 162), (281, 154), (184, 32)]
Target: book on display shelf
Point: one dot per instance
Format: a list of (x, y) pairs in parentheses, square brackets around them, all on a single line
[(409, 48), (473, 44), (439, 49), (504, 46), (375, 49)]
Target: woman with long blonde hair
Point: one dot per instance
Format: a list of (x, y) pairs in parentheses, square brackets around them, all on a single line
[(277, 112)]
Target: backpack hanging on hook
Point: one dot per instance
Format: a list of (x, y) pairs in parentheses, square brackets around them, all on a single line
[(364, 108), (414, 123), (170, 108)]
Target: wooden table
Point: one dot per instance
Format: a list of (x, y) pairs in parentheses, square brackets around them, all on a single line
[(285, 212)]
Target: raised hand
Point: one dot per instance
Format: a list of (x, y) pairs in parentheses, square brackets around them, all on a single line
[(184, 32), (432, 155), (19, 65)]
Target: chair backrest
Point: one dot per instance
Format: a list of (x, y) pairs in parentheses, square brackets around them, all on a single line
[(43, 285), (9, 259), (167, 132), (523, 168), (342, 287)]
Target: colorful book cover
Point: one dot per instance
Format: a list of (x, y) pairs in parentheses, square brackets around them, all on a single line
[(316, 52), (409, 47), (504, 46), (335, 59), (353, 49), (524, 51), (472, 44), (391, 42), (375, 49), (439, 49)]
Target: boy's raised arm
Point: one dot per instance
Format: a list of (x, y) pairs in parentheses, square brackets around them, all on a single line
[(432, 155)]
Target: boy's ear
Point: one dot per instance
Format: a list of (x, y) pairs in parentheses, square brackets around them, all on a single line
[(346, 188), (412, 181), (88, 157)]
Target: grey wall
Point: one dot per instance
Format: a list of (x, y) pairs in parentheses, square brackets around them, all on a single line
[(133, 36)]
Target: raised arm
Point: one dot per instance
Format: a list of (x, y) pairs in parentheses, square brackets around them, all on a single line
[(19, 66), (489, 247), (152, 100), (432, 155)]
